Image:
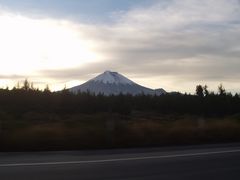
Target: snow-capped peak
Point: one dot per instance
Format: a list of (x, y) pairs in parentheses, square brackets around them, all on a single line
[(113, 83), (109, 77)]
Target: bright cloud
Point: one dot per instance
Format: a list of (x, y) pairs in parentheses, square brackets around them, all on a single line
[(31, 45)]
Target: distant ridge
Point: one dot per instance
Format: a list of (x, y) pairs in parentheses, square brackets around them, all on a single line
[(113, 83)]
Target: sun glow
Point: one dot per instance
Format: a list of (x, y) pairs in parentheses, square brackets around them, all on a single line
[(28, 46)]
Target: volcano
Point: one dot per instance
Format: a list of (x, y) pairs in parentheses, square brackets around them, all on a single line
[(114, 83)]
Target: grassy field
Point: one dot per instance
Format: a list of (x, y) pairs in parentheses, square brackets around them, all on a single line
[(44, 131)]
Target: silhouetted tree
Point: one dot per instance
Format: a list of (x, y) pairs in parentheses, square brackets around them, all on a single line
[(26, 85), (199, 90), (18, 85), (32, 86), (19, 101), (221, 90), (47, 89), (205, 90)]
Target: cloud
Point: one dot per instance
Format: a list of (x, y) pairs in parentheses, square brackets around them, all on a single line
[(192, 40), (95, 11), (12, 76), (171, 44)]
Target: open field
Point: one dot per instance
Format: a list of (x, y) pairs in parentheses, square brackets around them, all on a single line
[(45, 131)]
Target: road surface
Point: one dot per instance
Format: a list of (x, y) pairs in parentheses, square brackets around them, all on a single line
[(189, 162)]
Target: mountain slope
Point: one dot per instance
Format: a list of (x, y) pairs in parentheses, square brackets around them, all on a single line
[(109, 83)]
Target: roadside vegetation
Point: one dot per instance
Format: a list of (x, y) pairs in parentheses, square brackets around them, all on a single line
[(31, 119)]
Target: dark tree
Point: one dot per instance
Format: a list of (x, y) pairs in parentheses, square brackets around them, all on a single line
[(221, 90), (205, 90), (26, 85), (47, 89), (199, 90), (19, 101)]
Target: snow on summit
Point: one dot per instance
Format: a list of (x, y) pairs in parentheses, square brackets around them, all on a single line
[(109, 77)]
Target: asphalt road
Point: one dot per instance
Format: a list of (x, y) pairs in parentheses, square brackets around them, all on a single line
[(189, 162)]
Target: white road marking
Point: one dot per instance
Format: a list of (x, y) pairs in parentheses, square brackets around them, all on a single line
[(118, 159)]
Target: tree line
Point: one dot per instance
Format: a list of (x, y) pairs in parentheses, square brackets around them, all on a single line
[(26, 98)]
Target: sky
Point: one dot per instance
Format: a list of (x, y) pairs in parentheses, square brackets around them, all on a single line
[(168, 44)]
